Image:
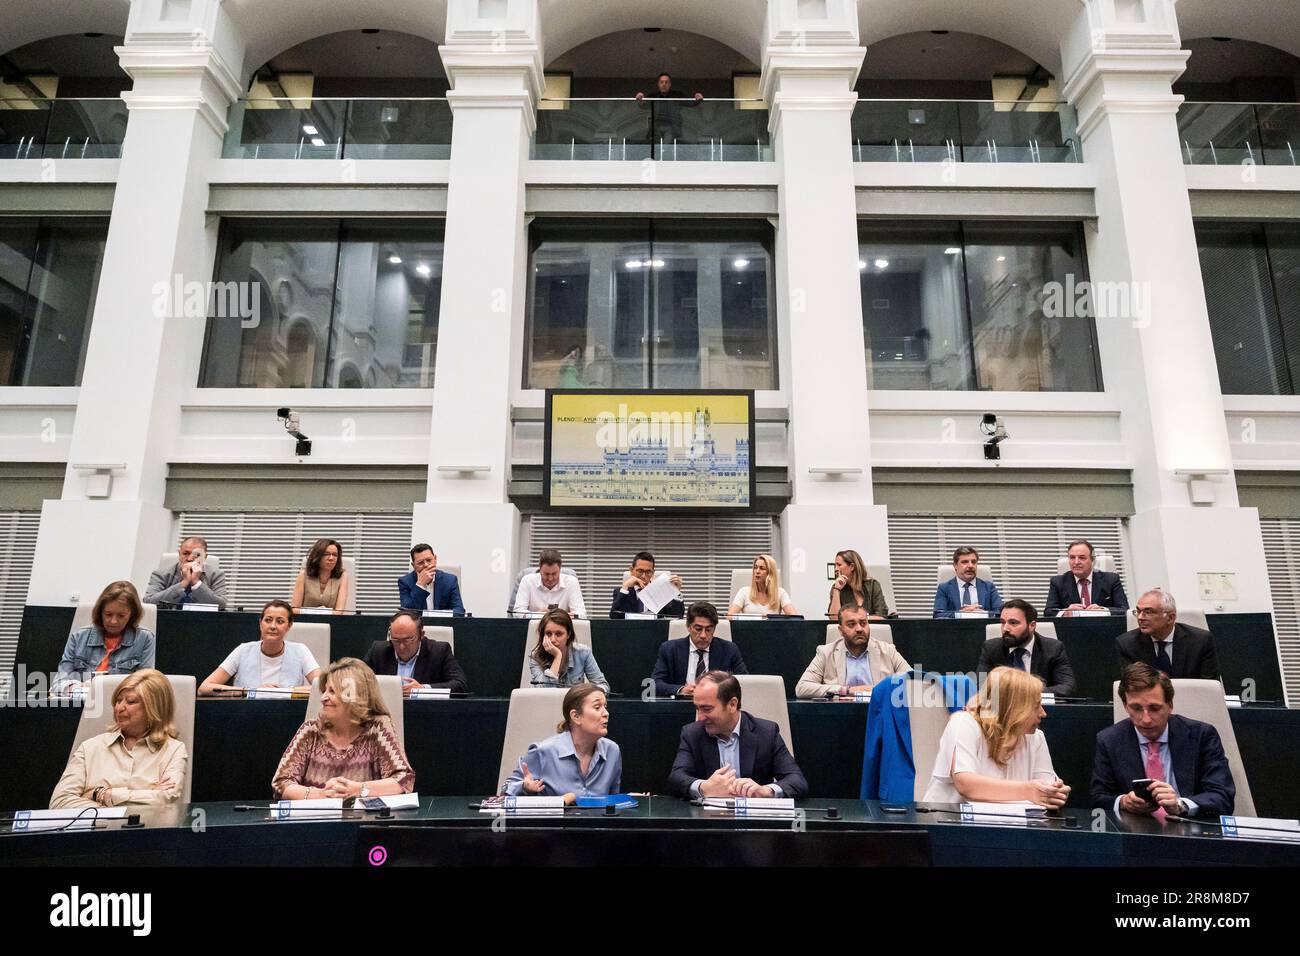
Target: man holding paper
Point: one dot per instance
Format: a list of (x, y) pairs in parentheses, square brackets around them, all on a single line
[(727, 752), (418, 660), (628, 597), (682, 662)]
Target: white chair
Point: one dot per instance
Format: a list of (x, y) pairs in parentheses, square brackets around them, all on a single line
[(881, 632), (882, 574), (350, 569), (533, 715), (1203, 700), (390, 689), (1191, 616), (317, 638), (97, 715), (1045, 628), (740, 578), (677, 628), (1101, 561), (441, 633), (169, 558), (945, 573), (82, 618), (927, 714), (763, 695), (514, 589), (453, 569), (581, 635)]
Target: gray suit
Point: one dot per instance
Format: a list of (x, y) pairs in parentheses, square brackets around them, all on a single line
[(165, 587), (827, 672)]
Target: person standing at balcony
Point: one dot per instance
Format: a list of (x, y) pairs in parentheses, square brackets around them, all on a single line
[(666, 121)]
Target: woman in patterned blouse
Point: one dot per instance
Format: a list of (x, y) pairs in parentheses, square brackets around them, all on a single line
[(351, 749)]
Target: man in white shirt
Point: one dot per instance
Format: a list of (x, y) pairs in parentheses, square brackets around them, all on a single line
[(547, 588)]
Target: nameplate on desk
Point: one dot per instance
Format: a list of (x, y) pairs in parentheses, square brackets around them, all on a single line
[(315, 610), (533, 615), (526, 806), (747, 617), (200, 607), (430, 693), (70, 819), (1086, 613), (429, 613), (307, 809), (270, 693), (971, 615), (753, 806), (1048, 700), (640, 616), (1261, 828), (1232, 700), (1018, 813)]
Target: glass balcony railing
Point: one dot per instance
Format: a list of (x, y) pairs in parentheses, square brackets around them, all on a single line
[(62, 129), (663, 129), (964, 131), (1225, 134), (277, 128)]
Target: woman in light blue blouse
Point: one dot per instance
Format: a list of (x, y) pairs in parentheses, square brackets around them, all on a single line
[(579, 759), (558, 660)]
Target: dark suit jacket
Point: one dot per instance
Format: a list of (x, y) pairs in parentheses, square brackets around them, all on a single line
[(1106, 591), (1049, 661), (1193, 652), (763, 758), (630, 603), (673, 670), (1200, 765), (446, 593), (947, 597), (436, 666)]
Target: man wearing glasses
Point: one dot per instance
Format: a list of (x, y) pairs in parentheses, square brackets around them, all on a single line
[(1178, 650), (641, 573), (418, 660)]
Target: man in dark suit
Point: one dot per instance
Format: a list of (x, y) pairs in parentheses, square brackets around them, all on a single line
[(729, 753), (419, 661), (1172, 648), (683, 662), (1081, 588), (1183, 757), (1022, 646), (966, 590), (427, 588), (639, 574)]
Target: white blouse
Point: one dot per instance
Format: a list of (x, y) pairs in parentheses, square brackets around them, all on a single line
[(963, 749), (747, 606)]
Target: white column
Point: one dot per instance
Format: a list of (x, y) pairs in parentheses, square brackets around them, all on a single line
[(143, 352), (1152, 325), (493, 58), (811, 60)]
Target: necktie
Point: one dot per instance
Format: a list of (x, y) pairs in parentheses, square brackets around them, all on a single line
[(699, 665), (1163, 662), (965, 600), (1156, 771), (1018, 658), (1084, 597)]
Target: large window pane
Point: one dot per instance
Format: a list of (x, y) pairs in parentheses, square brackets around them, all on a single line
[(914, 307), (1017, 347), (640, 304), (49, 274), (1284, 257)]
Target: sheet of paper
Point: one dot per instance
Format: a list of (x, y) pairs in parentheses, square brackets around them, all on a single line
[(73, 819), (659, 592), (402, 801), (639, 616)]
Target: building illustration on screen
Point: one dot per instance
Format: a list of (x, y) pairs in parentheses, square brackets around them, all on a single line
[(706, 470)]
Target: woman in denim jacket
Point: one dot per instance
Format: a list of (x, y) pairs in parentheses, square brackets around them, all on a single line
[(113, 644)]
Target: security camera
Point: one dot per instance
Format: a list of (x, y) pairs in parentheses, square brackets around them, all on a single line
[(291, 421), (996, 429)]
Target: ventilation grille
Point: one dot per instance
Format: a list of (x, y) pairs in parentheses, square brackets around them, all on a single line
[(1281, 542), (17, 552)]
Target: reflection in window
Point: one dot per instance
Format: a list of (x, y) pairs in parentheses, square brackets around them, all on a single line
[(350, 304), (636, 304), (1251, 274), (49, 274), (962, 307)]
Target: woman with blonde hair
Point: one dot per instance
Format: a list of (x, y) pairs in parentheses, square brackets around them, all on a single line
[(579, 759), (853, 585), (764, 594), (351, 749), (139, 760), (993, 751), (322, 582)]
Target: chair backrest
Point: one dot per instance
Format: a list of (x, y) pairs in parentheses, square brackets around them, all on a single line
[(441, 633), (581, 635), (1045, 628), (882, 574), (1191, 616), (945, 573), (350, 569), (453, 569), (677, 628), (148, 620), (514, 588), (97, 715), (740, 578), (1203, 700), (533, 715), (390, 689), (881, 632), (315, 635), (1101, 561), (763, 695), (169, 558), (928, 716)]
